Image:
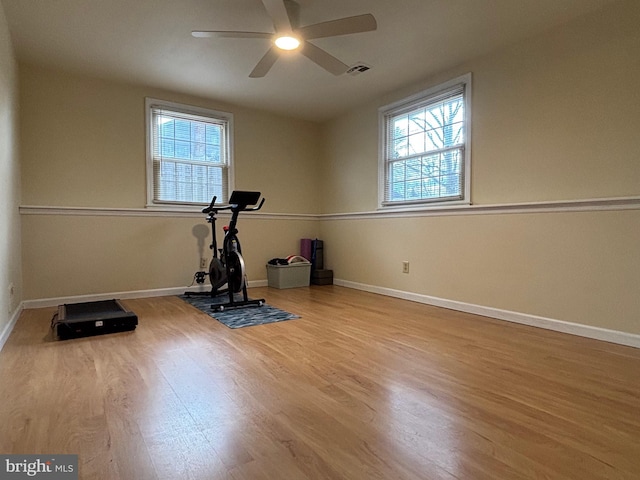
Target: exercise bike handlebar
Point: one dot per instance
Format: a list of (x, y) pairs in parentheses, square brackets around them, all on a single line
[(238, 207), (254, 208), (210, 208)]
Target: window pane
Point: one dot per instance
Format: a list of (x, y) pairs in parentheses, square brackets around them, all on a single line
[(417, 121), (167, 147), (398, 172), (450, 185), (431, 188), (167, 190), (214, 133), (452, 134), (433, 140), (400, 148), (168, 170), (454, 110), (183, 150), (400, 126), (198, 132), (397, 191), (198, 152), (183, 129), (200, 193), (434, 117), (413, 169), (416, 143), (183, 191), (166, 126), (200, 174), (215, 176), (431, 166), (413, 192), (451, 162), (215, 190), (213, 154), (183, 172)]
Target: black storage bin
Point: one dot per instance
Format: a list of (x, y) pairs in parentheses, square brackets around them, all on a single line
[(322, 277)]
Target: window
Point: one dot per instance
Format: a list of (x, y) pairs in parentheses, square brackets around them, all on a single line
[(424, 147), (189, 154)]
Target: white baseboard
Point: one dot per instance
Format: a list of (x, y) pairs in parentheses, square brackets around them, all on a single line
[(6, 331), (52, 302), (613, 336), (159, 292)]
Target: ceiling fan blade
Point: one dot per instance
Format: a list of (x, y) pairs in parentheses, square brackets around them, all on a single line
[(229, 34), (278, 13), (265, 63), (322, 58), (342, 26)]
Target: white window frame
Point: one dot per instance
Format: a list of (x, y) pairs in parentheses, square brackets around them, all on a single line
[(408, 104), (217, 116)]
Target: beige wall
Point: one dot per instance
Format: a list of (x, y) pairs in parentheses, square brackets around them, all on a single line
[(83, 145), (580, 267), (554, 118), (84, 255), (10, 267)]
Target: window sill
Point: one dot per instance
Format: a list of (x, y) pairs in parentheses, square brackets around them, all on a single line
[(424, 206)]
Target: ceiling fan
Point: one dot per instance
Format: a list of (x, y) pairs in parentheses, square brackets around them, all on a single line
[(290, 36)]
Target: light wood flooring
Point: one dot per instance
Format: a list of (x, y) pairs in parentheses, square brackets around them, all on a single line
[(361, 387)]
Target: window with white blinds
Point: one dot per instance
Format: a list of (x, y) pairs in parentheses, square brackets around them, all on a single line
[(424, 148), (189, 155)]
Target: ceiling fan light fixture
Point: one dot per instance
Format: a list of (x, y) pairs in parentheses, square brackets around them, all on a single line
[(287, 42), (289, 38)]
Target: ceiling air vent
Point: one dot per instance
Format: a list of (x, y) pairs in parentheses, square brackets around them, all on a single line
[(358, 68)]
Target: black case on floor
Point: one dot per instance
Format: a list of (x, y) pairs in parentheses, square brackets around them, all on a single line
[(93, 318)]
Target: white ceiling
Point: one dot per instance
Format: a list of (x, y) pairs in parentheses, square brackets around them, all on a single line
[(149, 42)]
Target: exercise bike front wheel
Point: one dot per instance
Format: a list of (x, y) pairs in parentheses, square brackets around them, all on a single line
[(235, 267)]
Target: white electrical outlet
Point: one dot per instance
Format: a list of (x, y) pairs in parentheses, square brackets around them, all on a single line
[(405, 267), (203, 263)]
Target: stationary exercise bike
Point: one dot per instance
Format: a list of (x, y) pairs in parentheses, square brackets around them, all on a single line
[(227, 265)]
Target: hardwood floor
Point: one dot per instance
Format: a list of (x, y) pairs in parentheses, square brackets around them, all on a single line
[(361, 387)]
